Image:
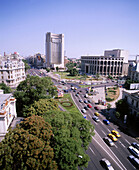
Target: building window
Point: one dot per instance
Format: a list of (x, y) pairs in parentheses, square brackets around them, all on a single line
[(137, 104), (1, 72), (132, 102)]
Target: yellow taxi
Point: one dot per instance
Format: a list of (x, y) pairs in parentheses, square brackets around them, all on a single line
[(96, 114), (114, 132), (112, 137)]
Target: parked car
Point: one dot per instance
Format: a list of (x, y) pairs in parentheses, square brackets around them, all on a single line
[(134, 161), (112, 137), (86, 108), (106, 121), (80, 100), (114, 132), (134, 151), (96, 108), (106, 164), (76, 94), (96, 114), (83, 111), (85, 101), (89, 105), (95, 118), (108, 141), (89, 101), (135, 145)]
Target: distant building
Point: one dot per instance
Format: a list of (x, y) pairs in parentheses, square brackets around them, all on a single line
[(7, 111), (114, 63), (54, 50), (12, 70), (133, 70), (132, 98)]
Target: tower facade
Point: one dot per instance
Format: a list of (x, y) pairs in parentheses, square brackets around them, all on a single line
[(54, 50)]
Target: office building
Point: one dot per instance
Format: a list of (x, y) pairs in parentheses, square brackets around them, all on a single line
[(54, 50), (12, 70), (114, 63)]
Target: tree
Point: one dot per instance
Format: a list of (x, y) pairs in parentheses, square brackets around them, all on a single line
[(6, 89), (69, 66), (108, 106), (97, 75), (32, 89), (122, 107), (74, 72), (110, 77), (57, 68), (28, 146), (26, 65), (47, 69)]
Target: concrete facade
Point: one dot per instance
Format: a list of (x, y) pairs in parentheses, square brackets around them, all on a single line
[(132, 98), (112, 63), (54, 50), (12, 70), (7, 112)]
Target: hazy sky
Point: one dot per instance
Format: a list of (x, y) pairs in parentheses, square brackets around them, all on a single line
[(89, 26)]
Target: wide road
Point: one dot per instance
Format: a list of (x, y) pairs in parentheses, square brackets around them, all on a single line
[(98, 149)]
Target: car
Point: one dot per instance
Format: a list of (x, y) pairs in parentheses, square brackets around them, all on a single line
[(134, 161), (80, 91), (86, 96), (80, 100), (76, 94), (96, 114), (114, 132), (95, 118), (106, 164), (83, 111), (85, 101), (106, 121), (74, 90), (89, 105), (134, 151), (135, 145), (89, 101), (108, 141), (96, 108), (112, 137), (86, 108)]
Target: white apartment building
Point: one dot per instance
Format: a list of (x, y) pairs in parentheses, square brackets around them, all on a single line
[(7, 111), (114, 63), (132, 98), (12, 70), (54, 50)]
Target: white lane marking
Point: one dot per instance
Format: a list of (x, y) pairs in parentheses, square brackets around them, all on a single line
[(110, 151), (115, 146), (109, 130), (127, 142), (103, 132), (122, 144), (92, 151), (101, 122)]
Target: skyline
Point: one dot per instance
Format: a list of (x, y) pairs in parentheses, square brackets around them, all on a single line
[(89, 27)]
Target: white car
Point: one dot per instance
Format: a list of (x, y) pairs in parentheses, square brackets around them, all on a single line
[(134, 151), (95, 118), (106, 164), (83, 111), (109, 141)]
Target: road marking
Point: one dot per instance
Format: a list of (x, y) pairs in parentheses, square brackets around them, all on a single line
[(109, 130), (115, 146), (103, 132), (92, 151), (89, 116), (108, 152), (122, 144), (127, 142)]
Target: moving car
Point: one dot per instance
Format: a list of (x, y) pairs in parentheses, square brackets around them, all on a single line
[(89, 105), (106, 164), (83, 111), (134, 151), (95, 118), (114, 132), (135, 145), (96, 114), (112, 137), (134, 161), (108, 141), (80, 100), (86, 108), (106, 121)]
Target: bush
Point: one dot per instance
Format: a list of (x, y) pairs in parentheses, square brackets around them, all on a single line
[(109, 99), (117, 114)]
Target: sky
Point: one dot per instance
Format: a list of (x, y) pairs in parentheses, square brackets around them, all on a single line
[(89, 26)]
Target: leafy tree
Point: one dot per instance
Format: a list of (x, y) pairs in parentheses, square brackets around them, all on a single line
[(108, 106), (57, 68), (32, 89), (122, 107), (117, 114), (97, 75), (26, 65), (110, 77), (6, 89), (74, 72), (28, 146), (69, 66), (47, 69)]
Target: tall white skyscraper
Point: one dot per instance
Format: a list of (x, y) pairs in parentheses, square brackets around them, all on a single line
[(54, 50)]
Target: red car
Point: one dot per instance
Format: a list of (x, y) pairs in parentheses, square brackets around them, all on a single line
[(89, 105)]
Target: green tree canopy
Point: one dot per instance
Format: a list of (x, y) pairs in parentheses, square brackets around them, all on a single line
[(28, 146), (74, 72), (69, 66), (26, 65), (122, 107), (32, 89), (6, 88)]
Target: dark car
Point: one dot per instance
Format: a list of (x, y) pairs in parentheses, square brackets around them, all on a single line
[(89, 101), (86, 108), (85, 101), (96, 108), (106, 164), (134, 161)]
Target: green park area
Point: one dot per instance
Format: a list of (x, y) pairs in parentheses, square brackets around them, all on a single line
[(112, 93)]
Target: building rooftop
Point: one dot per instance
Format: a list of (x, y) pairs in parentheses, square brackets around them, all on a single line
[(4, 97)]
